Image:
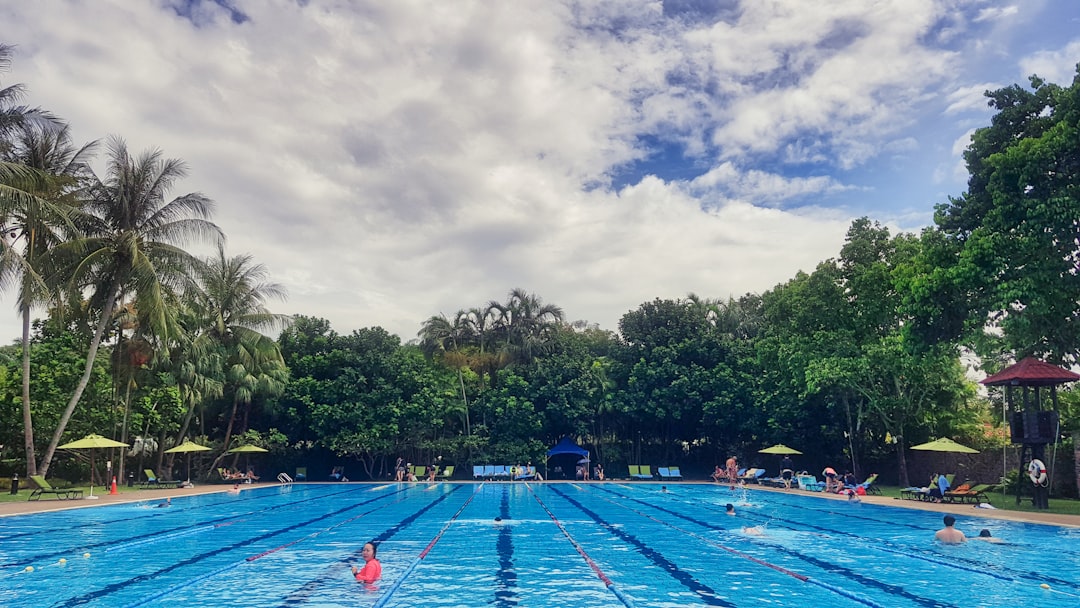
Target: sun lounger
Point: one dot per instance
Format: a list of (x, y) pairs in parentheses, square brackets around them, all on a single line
[(915, 493), (975, 494), (669, 473), (641, 471), (153, 481), (525, 474), (811, 483), (478, 471), (446, 473), (752, 475), (44, 487)]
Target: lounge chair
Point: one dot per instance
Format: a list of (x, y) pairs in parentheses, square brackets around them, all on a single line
[(525, 474), (956, 494), (811, 483), (501, 471), (965, 492), (478, 471), (152, 480), (915, 493), (301, 474), (446, 473), (752, 475), (668, 473), (44, 487), (489, 471), (644, 471)]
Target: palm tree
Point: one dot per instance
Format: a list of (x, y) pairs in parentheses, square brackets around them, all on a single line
[(443, 339), (33, 225), (231, 306), (12, 115), (526, 324), (133, 245)]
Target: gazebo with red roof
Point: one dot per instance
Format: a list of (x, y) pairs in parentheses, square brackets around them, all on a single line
[(1033, 426)]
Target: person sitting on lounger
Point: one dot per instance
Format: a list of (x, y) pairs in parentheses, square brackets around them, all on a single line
[(718, 473), (372, 570), (251, 474)]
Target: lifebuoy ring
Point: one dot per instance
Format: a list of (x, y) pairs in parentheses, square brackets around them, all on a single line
[(1037, 472)]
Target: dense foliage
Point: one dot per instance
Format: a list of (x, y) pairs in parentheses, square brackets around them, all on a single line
[(852, 362)]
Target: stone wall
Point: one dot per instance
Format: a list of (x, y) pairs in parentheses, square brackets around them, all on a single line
[(986, 467)]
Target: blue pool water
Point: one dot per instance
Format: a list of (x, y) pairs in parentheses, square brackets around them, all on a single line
[(559, 545)]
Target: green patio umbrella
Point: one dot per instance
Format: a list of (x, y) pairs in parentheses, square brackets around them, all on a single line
[(188, 447), (247, 449), (779, 449), (92, 442), (944, 445)]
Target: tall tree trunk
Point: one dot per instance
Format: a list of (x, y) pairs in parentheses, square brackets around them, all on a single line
[(95, 342), (228, 435), (465, 398), (901, 460), (28, 424), (124, 427)]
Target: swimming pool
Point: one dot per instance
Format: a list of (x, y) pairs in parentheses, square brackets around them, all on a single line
[(587, 545)]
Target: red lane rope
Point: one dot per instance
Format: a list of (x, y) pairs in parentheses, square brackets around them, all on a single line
[(588, 560)]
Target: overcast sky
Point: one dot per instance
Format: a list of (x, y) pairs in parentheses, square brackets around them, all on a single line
[(388, 161)]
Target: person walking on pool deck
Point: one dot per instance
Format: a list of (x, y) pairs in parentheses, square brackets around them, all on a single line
[(950, 535), (732, 471), (372, 570), (399, 469)]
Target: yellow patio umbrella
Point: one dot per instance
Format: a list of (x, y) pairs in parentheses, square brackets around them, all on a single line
[(92, 442), (779, 449), (944, 445), (247, 449), (188, 447)]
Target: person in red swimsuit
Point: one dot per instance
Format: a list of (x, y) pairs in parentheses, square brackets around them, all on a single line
[(372, 570)]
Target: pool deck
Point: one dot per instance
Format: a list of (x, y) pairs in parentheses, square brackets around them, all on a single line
[(158, 495)]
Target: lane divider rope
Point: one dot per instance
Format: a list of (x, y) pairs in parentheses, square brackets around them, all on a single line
[(759, 561), (629, 603), (404, 575)]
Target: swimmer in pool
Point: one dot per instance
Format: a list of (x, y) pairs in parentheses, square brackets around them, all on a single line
[(372, 570)]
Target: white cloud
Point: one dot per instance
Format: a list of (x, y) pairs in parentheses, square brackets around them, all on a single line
[(1057, 66), (390, 160)]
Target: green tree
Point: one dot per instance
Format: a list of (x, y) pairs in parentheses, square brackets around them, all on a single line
[(33, 226), (132, 245), (1017, 225)]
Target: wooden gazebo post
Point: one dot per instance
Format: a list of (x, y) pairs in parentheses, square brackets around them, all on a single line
[(1031, 425)]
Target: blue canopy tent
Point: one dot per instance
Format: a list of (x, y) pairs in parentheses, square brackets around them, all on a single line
[(567, 453)]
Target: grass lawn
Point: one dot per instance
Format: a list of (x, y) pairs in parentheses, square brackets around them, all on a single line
[(1064, 506), (24, 491)]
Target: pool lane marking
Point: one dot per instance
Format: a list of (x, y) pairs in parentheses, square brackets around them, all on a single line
[(237, 564), (113, 587), (504, 593), (581, 551), (999, 572), (801, 577), (824, 565), (703, 591), (416, 562), (119, 544), (301, 595)]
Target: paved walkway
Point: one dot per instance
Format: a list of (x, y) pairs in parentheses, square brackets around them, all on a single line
[(157, 495)]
